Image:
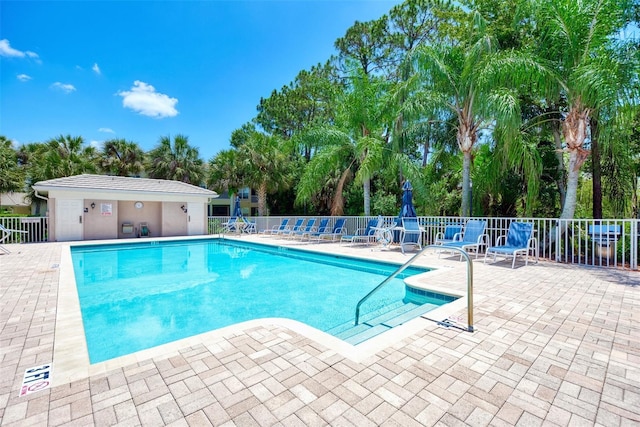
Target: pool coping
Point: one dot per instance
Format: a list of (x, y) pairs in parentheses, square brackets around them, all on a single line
[(71, 357)]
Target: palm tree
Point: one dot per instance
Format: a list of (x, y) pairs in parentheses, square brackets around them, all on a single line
[(263, 165), (472, 80), (67, 156), (224, 172), (579, 38), (176, 161), (121, 158)]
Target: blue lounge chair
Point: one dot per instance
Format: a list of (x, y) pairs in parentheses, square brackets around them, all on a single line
[(411, 234), (322, 228), (518, 241), (249, 226), (5, 233), (364, 235), (277, 228), (296, 227), (230, 226), (473, 237), (337, 231), (308, 228), (451, 234)]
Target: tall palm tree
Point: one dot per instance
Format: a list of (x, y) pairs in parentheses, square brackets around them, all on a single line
[(121, 157), (176, 161), (578, 37), (473, 81)]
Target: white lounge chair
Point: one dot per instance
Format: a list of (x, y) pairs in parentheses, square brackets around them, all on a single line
[(5, 234)]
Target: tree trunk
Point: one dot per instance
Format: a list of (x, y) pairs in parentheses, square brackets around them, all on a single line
[(366, 188), (262, 199), (466, 181), (596, 170), (561, 181), (574, 129)]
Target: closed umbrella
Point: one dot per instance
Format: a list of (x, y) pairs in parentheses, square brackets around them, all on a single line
[(407, 210), (237, 212)]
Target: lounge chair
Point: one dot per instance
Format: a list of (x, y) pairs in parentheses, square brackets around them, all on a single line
[(411, 234), (322, 228), (277, 228), (249, 226), (231, 226), (336, 232), (451, 234), (308, 228), (473, 237), (518, 241), (364, 235), (296, 227), (5, 234), (144, 230)]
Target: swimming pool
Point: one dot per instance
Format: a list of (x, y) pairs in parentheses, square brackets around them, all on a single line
[(137, 296)]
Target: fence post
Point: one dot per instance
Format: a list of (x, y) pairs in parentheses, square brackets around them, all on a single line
[(633, 245)]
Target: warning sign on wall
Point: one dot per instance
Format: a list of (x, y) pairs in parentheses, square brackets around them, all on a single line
[(36, 379)]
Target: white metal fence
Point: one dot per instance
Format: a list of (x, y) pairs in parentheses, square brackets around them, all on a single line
[(612, 243), (601, 243)]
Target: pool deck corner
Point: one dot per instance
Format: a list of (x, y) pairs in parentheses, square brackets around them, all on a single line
[(552, 345)]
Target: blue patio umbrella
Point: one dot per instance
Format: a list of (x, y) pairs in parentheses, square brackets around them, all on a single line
[(237, 212), (407, 210)]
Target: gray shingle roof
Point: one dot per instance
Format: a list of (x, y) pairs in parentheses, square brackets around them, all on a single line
[(122, 184)]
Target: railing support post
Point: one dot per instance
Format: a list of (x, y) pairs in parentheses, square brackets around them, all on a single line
[(408, 263)]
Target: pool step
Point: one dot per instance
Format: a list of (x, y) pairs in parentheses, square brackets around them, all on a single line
[(355, 334)]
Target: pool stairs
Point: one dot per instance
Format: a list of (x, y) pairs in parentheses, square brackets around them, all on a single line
[(380, 321)]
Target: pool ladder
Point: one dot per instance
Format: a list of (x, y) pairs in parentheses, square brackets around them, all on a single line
[(408, 263)]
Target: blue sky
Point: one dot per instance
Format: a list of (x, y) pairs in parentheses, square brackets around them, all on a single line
[(145, 69)]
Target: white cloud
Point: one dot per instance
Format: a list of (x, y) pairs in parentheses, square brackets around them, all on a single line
[(144, 99), (64, 87), (23, 77), (7, 50), (96, 69), (95, 144), (106, 130)]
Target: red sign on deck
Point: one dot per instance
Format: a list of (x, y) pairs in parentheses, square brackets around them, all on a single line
[(36, 379)]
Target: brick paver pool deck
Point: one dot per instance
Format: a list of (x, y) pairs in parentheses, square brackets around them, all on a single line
[(553, 345)]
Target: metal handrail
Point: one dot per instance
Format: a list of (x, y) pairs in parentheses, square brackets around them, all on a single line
[(408, 263)]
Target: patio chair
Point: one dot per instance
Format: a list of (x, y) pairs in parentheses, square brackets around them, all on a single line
[(452, 233), (231, 226), (364, 235), (144, 230), (322, 228), (411, 234), (296, 227), (307, 228), (337, 231), (518, 241), (6, 233), (473, 238), (277, 228), (249, 226)]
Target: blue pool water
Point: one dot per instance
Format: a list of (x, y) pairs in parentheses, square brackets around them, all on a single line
[(137, 296)]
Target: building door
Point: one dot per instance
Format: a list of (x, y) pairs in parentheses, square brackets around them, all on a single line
[(197, 219), (69, 219)]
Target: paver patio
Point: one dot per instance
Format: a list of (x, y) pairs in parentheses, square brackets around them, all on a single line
[(553, 345)]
